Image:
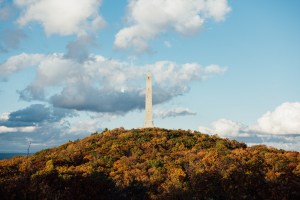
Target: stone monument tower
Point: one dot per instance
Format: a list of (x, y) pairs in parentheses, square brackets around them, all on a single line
[(148, 102)]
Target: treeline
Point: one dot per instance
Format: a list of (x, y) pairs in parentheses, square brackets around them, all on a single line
[(152, 164)]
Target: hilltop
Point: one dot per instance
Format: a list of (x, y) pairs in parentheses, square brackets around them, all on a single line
[(152, 163)]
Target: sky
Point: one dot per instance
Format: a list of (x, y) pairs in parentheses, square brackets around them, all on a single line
[(71, 68)]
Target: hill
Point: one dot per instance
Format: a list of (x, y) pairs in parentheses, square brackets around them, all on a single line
[(152, 164)]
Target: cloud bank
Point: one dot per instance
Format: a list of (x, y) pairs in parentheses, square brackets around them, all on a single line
[(34, 116), (44, 126), (95, 84), (102, 85), (182, 16), (279, 128)]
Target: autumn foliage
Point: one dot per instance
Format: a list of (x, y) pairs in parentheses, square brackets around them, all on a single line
[(152, 164)]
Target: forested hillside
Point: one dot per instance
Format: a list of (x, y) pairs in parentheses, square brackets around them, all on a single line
[(152, 164)]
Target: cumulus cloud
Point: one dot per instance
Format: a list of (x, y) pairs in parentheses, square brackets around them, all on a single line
[(182, 16), (285, 119), (43, 125), (278, 128), (174, 79), (45, 136), (38, 113), (89, 98), (67, 17), (225, 128), (85, 126), (19, 62), (103, 85), (173, 112), (79, 48), (34, 115), (61, 17)]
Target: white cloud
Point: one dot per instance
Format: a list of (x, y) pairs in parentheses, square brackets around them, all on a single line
[(215, 69), (286, 145), (27, 129), (182, 16), (85, 126), (225, 128), (170, 73), (173, 112), (279, 128), (285, 119), (64, 17), (4, 129), (43, 125), (79, 49), (4, 116), (19, 62), (102, 83), (217, 9)]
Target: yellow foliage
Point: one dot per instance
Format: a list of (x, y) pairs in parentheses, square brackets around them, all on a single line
[(49, 166), (156, 164)]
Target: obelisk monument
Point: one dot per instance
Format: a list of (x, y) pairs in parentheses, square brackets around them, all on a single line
[(148, 102)]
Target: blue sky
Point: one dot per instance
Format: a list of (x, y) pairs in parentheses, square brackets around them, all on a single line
[(68, 69)]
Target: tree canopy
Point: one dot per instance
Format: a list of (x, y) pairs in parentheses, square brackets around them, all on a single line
[(152, 163)]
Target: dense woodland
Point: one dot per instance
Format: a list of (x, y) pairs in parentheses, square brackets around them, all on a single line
[(152, 164)]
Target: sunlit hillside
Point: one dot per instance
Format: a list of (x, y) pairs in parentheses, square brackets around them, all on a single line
[(152, 164)]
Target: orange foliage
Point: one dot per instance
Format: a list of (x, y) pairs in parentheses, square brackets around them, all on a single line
[(152, 163)]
